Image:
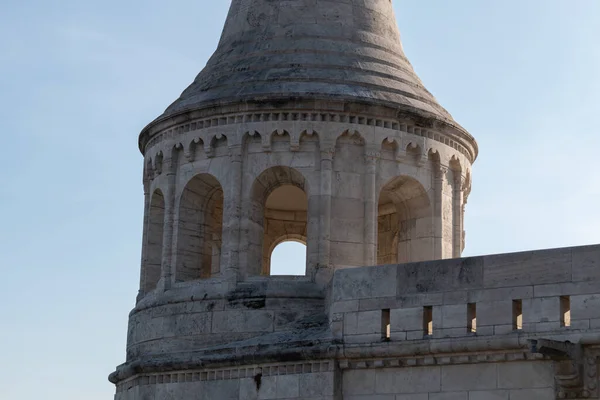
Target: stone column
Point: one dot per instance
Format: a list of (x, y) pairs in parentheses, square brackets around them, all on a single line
[(457, 218), (325, 193), (465, 200), (370, 199), (439, 172), (172, 163), (230, 245), (144, 238)]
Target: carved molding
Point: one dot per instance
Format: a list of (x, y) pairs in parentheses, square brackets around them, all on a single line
[(472, 358), (226, 374), (344, 119)]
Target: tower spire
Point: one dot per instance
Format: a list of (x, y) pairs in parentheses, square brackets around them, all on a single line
[(315, 49)]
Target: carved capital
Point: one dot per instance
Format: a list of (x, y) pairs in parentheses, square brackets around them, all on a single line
[(459, 180), (372, 155), (439, 171), (327, 154)]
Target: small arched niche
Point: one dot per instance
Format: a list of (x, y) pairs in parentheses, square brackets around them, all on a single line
[(151, 269), (285, 220), (404, 223), (199, 229)]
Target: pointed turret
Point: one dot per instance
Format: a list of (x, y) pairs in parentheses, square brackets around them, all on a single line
[(316, 50)]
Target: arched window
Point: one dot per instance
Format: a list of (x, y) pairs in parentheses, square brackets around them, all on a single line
[(288, 258), (284, 221), (151, 265), (404, 223), (276, 211), (199, 229)]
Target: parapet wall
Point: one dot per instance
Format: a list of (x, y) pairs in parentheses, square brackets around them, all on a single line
[(551, 294)]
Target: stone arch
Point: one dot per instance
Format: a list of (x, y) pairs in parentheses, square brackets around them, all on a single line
[(254, 142), (308, 140), (199, 229), (194, 146), (217, 145), (389, 148), (280, 140), (153, 248), (434, 155), (277, 207), (404, 223), (455, 164), (414, 152)]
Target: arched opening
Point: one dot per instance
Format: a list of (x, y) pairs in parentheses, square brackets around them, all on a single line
[(199, 229), (285, 219), (275, 212), (404, 224), (288, 258), (154, 242)]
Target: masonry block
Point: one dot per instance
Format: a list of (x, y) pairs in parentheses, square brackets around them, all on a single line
[(540, 310), (469, 377)]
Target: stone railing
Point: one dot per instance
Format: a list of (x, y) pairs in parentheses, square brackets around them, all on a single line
[(514, 298)]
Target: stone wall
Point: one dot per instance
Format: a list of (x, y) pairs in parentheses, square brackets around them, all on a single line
[(490, 381), (407, 329), (295, 381), (502, 327)]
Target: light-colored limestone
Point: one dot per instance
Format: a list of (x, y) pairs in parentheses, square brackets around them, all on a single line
[(309, 124)]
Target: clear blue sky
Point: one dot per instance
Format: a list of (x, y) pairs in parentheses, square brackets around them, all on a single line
[(79, 79)]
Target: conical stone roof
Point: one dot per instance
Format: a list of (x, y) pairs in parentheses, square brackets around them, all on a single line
[(318, 49)]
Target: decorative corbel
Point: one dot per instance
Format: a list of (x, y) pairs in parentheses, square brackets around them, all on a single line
[(573, 377)]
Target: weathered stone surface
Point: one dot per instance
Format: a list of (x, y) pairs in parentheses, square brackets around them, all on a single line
[(309, 124), (469, 377), (442, 276), (340, 50)]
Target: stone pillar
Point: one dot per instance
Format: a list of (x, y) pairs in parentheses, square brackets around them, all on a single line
[(147, 198), (325, 215), (230, 246), (172, 163), (370, 199), (457, 218), (465, 200), (439, 173)]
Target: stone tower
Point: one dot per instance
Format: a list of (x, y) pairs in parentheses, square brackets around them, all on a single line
[(308, 124)]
